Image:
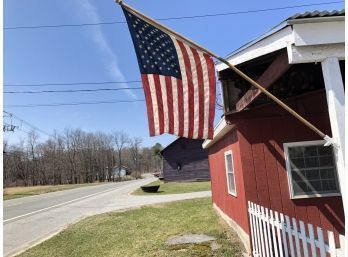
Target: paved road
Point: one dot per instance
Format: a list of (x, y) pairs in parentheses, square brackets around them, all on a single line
[(30, 220)]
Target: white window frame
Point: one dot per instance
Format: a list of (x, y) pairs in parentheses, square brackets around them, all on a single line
[(234, 175), (288, 169)]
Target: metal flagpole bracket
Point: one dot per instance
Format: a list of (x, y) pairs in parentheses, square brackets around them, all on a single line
[(330, 141)]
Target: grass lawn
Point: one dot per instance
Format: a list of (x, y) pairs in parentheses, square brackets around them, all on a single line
[(17, 192), (176, 187), (142, 233)]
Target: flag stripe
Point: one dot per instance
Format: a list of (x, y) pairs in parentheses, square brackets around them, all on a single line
[(175, 106), (169, 90), (149, 108), (212, 89), (165, 103), (184, 86), (189, 81), (154, 104), (195, 123), (159, 102), (206, 94), (200, 94), (182, 107)]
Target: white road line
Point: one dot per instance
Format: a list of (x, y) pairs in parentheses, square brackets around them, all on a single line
[(61, 204)]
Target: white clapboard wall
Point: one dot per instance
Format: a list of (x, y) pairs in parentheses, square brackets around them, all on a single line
[(274, 234)]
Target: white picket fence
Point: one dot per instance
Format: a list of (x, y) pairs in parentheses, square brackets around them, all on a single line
[(276, 235)]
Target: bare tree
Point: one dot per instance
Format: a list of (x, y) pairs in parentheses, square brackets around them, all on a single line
[(75, 156), (121, 140), (135, 144)]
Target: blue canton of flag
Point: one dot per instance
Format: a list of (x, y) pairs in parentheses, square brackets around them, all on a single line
[(154, 48)]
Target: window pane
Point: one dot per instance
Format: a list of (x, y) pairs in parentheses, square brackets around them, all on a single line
[(326, 161), (312, 174), (313, 170), (295, 152), (231, 182), (311, 162), (324, 150), (299, 188), (329, 185), (310, 151), (298, 163), (229, 163)]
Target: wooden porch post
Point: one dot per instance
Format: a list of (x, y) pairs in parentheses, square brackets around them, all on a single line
[(336, 102)]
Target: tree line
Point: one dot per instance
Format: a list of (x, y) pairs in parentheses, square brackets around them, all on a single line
[(76, 156)]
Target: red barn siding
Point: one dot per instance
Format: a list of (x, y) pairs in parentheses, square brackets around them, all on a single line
[(234, 207), (260, 164)]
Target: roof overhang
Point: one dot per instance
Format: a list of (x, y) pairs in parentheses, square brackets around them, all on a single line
[(306, 40), (221, 129), (291, 34)]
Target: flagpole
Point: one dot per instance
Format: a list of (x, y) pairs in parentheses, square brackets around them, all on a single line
[(235, 69)]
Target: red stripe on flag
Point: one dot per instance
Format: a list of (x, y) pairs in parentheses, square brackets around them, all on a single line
[(200, 91), (180, 107), (169, 90), (212, 94), (148, 103), (159, 102), (190, 89)]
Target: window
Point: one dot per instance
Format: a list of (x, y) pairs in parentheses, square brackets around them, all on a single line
[(231, 183), (311, 169)]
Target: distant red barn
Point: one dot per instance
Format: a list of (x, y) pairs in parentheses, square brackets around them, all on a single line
[(260, 153)]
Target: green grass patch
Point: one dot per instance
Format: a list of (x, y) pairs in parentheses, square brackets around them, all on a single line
[(176, 187), (17, 192), (142, 233)]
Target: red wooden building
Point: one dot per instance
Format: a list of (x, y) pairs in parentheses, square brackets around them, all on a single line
[(261, 153)]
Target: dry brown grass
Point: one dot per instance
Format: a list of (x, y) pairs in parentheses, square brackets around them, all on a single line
[(17, 192)]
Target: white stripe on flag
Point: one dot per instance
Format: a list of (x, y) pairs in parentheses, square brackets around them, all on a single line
[(165, 103), (195, 91), (206, 94), (184, 85), (175, 106), (154, 103)]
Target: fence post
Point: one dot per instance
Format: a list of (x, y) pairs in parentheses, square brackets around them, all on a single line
[(303, 236), (257, 216), (285, 244), (252, 228), (332, 245), (321, 242), (260, 227), (297, 242), (275, 248), (280, 244), (264, 224), (288, 228), (311, 240), (342, 245)]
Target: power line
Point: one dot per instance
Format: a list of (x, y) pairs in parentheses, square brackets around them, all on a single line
[(28, 123), (72, 83), (174, 18), (72, 104), (72, 90)]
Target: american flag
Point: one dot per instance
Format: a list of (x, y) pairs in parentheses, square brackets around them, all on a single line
[(178, 80)]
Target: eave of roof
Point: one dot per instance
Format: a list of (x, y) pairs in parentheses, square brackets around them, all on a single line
[(170, 144), (315, 16), (222, 128)]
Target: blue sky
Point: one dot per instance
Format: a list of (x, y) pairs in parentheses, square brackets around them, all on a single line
[(105, 53)]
